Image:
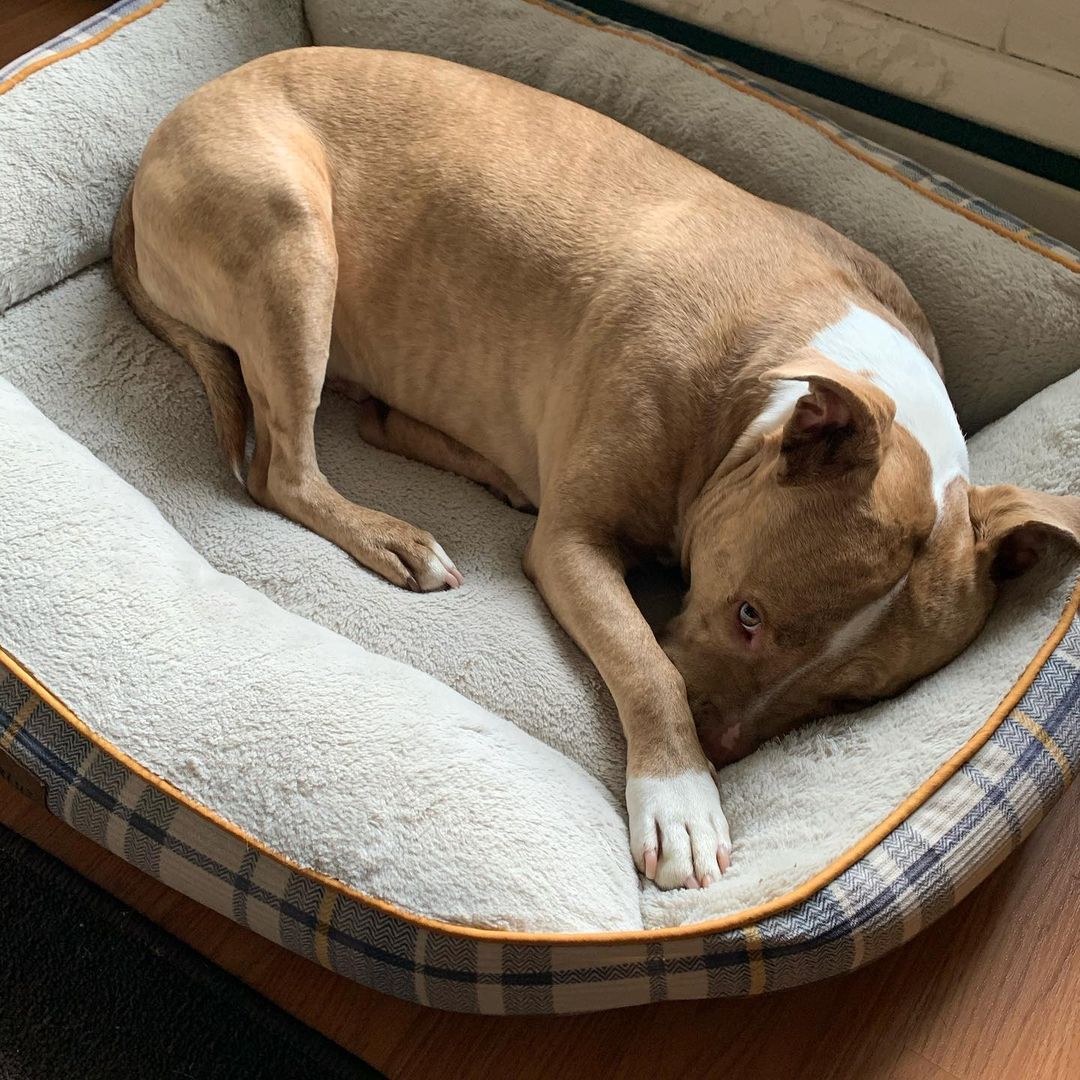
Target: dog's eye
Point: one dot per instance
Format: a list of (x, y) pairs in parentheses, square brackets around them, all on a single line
[(749, 616)]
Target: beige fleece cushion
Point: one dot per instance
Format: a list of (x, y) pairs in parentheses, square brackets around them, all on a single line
[(78, 352)]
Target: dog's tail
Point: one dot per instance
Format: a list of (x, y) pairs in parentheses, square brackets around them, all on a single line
[(215, 364)]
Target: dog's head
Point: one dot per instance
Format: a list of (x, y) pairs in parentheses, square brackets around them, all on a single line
[(833, 561)]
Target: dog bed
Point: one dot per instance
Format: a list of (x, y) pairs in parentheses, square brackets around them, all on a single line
[(425, 792)]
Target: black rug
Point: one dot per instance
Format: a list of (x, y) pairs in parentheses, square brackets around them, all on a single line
[(90, 990)]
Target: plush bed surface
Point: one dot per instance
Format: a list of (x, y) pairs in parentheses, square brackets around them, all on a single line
[(73, 131), (794, 806), (496, 802), (347, 762)]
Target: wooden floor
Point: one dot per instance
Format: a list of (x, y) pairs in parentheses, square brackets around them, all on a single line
[(990, 991), (25, 24)]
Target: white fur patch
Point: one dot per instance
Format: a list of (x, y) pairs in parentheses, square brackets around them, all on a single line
[(862, 623), (439, 573), (433, 575), (678, 833), (841, 642), (864, 342), (779, 407)]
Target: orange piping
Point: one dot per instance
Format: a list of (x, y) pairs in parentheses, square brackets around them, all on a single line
[(108, 31)]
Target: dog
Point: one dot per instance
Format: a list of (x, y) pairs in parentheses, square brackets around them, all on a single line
[(531, 294)]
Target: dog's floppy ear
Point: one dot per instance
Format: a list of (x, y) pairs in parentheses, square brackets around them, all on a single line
[(840, 425), (1014, 527)]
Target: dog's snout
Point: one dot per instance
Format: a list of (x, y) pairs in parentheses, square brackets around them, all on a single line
[(723, 746), (724, 739)]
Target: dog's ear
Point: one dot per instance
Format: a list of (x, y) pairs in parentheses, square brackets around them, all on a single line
[(840, 425), (1014, 527)]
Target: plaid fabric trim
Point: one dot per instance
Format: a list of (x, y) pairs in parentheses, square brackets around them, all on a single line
[(933, 184), (921, 869), (72, 38)]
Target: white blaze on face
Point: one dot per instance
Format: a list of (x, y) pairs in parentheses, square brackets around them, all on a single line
[(860, 626), (842, 642), (864, 342)]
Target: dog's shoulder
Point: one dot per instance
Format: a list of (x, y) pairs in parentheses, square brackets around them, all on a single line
[(880, 280)]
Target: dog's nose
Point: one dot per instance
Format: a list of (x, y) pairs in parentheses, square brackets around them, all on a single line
[(723, 743), (724, 735)]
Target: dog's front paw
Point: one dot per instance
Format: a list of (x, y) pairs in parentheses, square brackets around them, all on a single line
[(678, 833)]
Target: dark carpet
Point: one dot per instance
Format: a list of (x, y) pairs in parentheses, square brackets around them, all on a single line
[(90, 990)]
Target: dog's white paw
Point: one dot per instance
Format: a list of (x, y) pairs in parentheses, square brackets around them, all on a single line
[(407, 556), (678, 833), (435, 570)]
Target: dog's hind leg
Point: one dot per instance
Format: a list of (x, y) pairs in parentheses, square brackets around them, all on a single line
[(283, 352), (238, 251), (389, 429)]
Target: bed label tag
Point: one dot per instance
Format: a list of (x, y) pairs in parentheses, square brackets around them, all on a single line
[(18, 776)]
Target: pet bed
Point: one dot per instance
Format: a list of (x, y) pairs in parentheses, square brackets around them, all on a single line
[(424, 793)]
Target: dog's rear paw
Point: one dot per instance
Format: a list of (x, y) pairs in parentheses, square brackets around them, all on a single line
[(371, 420), (506, 491), (410, 557), (678, 833)]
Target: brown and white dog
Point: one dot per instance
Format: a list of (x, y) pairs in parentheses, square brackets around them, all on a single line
[(554, 305)]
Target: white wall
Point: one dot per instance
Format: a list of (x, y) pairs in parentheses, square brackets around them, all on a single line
[(1011, 64)]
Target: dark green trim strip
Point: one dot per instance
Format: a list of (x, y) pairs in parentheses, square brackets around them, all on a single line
[(997, 145)]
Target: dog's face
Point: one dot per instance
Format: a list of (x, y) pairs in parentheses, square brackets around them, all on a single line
[(826, 572)]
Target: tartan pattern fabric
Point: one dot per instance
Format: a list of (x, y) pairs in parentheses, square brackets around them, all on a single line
[(73, 37), (922, 868)]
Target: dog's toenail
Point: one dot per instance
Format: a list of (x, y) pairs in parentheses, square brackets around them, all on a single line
[(650, 864)]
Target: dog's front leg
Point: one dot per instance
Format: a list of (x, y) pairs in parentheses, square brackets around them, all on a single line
[(678, 833)]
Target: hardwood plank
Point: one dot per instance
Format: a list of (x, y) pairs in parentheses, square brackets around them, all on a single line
[(913, 1066), (1006, 999), (990, 991)]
